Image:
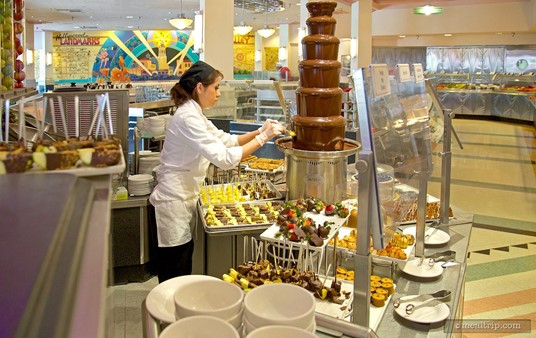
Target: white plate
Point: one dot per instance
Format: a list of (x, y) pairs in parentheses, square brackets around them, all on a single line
[(160, 302), (141, 178), (424, 270), (437, 237), (425, 315)]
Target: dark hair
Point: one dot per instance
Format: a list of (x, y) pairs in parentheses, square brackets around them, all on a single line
[(180, 95)]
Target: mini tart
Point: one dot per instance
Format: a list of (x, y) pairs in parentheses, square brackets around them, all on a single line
[(382, 291), (372, 290), (387, 280), (375, 278), (378, 300), (376, 284), (389, 287)]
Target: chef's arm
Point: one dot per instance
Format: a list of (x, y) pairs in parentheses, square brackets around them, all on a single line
[(245, 138)]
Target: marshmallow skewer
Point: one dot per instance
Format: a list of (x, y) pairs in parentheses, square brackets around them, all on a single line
[(52, 113), (6, 118), (109, 111), (63, 119), (95, 116), (1, 106), (77, 116)]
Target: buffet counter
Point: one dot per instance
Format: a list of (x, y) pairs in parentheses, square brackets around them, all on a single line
[(55, 246)]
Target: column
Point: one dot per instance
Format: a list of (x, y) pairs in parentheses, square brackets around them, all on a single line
[(43, 45), (361, 34), (29, 68), (218, 25), (284, 44), (258, 53)]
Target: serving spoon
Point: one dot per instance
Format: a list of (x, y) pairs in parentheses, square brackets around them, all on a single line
[(438, 295)]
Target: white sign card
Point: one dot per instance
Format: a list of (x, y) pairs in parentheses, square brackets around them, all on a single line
[(380, 80), (404, 74), (419, 74)]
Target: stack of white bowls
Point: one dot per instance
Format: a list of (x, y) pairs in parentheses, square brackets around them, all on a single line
[(279, 304), (212, 297), (152, 126), (200, 327), (280, 331), (140, 185)]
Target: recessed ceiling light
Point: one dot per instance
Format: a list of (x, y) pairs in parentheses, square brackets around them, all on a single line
[(448, 34), (130, 26), (129, 17), (76, 27), (499, 33), (401, 36)]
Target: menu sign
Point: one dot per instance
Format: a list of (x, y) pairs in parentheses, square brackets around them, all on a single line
[(419, 74), (403, 72), (380, 80)]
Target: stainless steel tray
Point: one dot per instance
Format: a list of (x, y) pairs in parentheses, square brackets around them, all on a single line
[(270, 188), (203, 209)]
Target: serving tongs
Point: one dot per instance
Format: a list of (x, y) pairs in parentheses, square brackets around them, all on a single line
[(427, 300)]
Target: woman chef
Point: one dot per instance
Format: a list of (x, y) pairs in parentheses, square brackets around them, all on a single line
[(192, 142)]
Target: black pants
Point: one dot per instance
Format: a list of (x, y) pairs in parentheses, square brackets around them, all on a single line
[(170, 261), (174, 261)]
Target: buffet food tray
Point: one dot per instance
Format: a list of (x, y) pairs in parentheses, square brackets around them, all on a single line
[(344, 311), (203, 209), (406, 208), (271, 190), (345, 231), (85, 171), (270, 233)]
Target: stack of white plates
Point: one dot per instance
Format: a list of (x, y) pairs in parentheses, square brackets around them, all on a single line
[(152, 126), (140, 185), (147, 163)]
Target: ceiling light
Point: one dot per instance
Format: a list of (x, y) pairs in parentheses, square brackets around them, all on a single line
[(129, 17), (401, 36), (266, 31), (242, 29), (428, 10), (447, 34), (181, 22)]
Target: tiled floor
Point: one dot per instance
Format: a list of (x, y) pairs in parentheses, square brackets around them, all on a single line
[(493, 177)]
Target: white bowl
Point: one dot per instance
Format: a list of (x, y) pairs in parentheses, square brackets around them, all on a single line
[(280, 331), (279, 304), (209, 297), (236, 321), (200, 327)]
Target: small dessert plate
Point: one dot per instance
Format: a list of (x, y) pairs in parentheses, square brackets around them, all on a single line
[(435, 313), (424, 268), (432, 236)]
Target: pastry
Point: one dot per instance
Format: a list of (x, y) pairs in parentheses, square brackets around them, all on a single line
[(390, 287), (378, 300)]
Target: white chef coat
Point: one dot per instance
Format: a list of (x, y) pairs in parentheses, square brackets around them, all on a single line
[(192, 142)]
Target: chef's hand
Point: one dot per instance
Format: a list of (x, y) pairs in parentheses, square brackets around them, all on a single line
[(267, 124), (273, 130)]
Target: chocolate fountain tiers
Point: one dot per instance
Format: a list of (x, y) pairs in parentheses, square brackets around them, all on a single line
[(319, 125), (317, 156)]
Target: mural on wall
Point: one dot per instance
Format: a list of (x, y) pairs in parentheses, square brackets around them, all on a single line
[(271, 55), (244, 55), (140, 56), (122, 56)]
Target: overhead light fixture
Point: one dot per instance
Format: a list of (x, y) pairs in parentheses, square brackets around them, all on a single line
[(266, 31), (242, 29), (447, 34), (428, 10), (181, 22)]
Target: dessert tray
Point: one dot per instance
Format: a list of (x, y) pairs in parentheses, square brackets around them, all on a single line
[(239, 192), (344, 311), (260, 213), (270, 234), (345, 231), (85, 171)]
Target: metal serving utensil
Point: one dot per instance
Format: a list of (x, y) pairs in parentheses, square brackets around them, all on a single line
[(438, 295)]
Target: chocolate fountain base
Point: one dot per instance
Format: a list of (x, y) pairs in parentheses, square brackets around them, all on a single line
[(320, 174)]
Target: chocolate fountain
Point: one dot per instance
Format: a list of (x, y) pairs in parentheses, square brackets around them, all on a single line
[(317, 154)]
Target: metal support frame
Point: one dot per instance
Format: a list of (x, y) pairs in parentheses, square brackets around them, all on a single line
[(446, 156)]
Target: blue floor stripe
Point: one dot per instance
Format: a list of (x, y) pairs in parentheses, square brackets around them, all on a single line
[(502, 135), (498, 145)]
